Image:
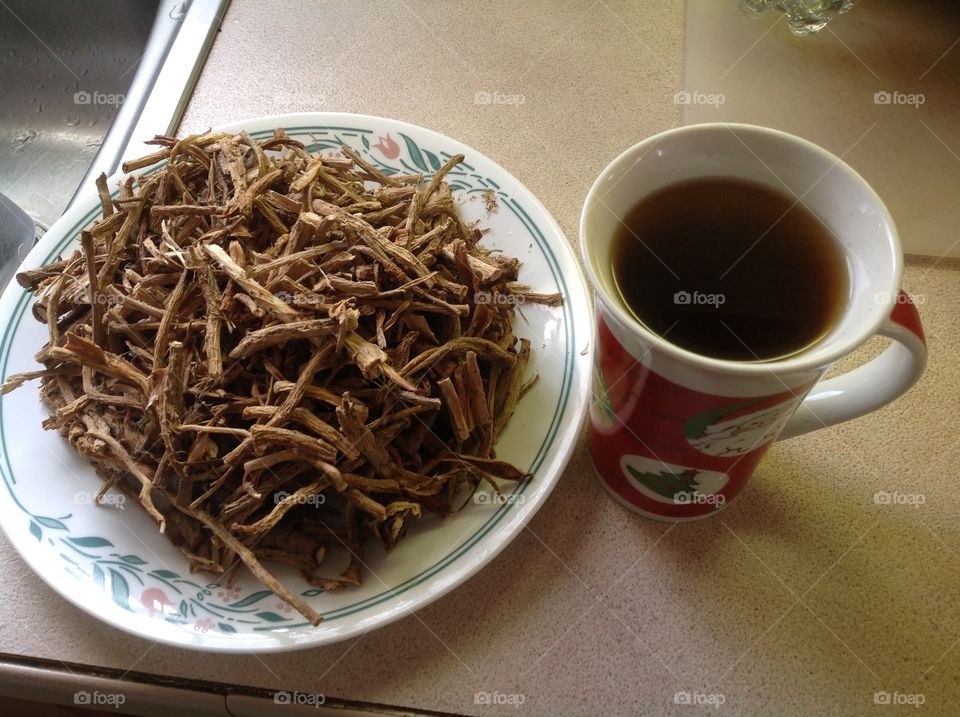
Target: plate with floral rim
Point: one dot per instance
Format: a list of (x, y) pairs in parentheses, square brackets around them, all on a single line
[(111, 561)]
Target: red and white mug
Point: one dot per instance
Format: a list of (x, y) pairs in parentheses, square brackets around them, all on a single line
[(675, 435)]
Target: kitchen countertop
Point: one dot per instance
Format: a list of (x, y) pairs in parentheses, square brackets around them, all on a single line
[(804, 596)]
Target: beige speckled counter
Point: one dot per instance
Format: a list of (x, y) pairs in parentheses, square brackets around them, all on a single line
[(803, 597)]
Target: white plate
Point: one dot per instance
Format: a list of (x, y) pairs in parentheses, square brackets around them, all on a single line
[(111, 561)]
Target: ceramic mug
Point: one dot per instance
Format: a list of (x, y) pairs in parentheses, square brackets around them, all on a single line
[(675, 435)]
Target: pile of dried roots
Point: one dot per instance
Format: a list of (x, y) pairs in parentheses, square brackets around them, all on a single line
[(251, 327)]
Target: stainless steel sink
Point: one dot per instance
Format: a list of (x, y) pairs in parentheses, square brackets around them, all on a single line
[(82, 81)]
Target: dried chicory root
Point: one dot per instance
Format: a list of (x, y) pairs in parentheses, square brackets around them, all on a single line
[(252, 321)]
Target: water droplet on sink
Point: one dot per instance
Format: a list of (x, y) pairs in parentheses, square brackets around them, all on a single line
[(24, 138), (178, 11)]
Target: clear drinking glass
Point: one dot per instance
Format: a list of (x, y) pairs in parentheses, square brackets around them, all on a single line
[(804, 17)]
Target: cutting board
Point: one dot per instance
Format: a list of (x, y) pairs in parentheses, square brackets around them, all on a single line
[(879, 86)]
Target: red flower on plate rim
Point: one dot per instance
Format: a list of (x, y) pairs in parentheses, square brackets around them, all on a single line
[(388, 147)]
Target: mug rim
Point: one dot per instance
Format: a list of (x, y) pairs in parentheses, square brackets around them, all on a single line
[(811, 358)]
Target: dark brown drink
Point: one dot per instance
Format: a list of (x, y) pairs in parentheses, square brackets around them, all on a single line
[(730, 269)]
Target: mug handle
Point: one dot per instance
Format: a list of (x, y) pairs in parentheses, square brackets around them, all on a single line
[(872, 385)]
